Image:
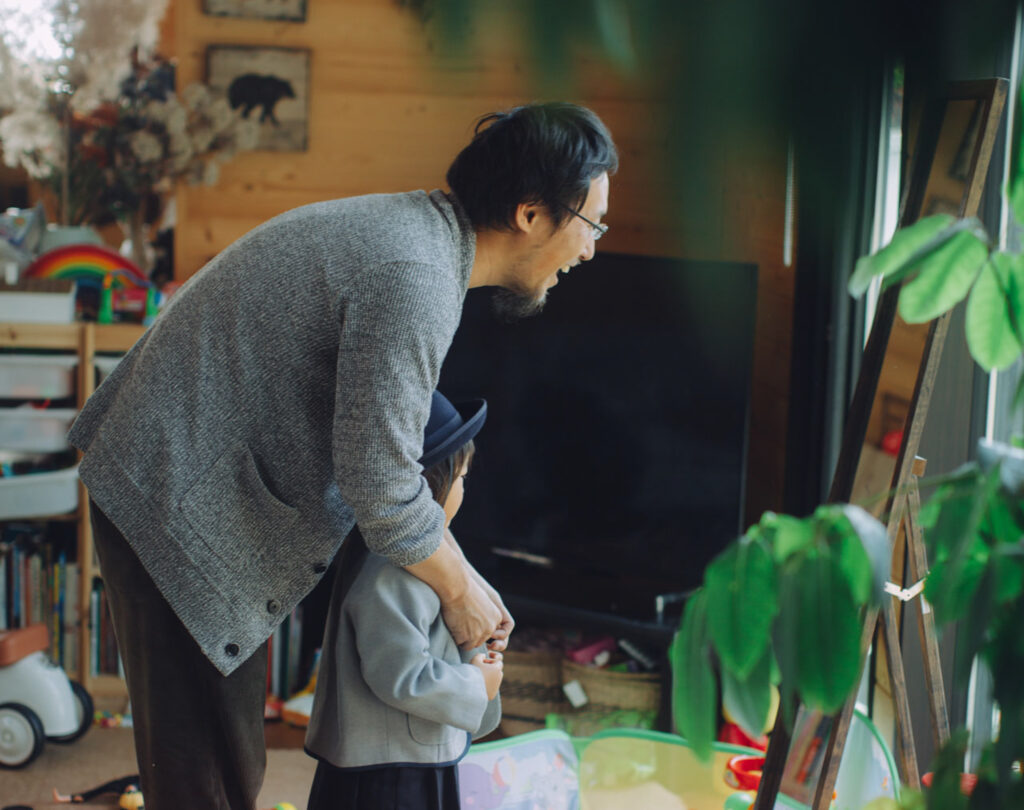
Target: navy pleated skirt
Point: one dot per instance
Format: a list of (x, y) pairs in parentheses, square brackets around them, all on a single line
[(386, 788)]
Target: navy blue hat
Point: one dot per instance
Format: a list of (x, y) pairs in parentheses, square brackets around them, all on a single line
[(450, 426)]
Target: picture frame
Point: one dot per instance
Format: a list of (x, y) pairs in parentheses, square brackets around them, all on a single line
[(268, 83), (279, 10)]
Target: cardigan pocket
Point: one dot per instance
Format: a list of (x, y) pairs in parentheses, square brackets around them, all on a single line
[(427, 732), (233, 511)]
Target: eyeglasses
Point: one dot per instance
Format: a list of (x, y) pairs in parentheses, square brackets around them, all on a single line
[(598, 230)]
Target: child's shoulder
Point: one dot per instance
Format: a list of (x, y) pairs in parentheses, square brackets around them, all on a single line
[(380, 577)]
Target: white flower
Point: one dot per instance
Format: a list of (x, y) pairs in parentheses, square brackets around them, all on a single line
[(196, 96), (157, 110), (32, 139), (146, 146), (202, 137), (84, 47), (177, 119), (221, 114)]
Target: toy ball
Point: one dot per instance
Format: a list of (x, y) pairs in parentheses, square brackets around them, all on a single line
[(131, 799), (284, 806)]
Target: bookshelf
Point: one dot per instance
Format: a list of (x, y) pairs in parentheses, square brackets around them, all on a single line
[(85, 340)]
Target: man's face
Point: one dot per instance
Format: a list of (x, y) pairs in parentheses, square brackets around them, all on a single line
[(550, 250)]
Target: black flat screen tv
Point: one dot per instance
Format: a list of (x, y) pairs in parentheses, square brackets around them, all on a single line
[(612, 466)]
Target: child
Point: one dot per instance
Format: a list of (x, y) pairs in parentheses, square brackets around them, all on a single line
[(397, 702)]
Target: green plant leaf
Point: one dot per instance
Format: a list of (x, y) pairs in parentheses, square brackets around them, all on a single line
[(943, 278), (694, 691), (1009, 578), (748, 700), (1010, 461), (1018, 395), (973, 632), (955, 511), (882, 803), (908, 246), (785, 534), (874, 539), (786, 639), (945, 791), (612, 22), (742, 604), (994, 311), (952, 584), (1003, 524), (855, 565), (1015, 184), (829, 634)]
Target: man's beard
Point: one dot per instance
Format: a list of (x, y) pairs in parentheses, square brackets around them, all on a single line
[(513, 305)]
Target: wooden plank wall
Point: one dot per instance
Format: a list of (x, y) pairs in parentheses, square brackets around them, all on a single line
[(387, 113)]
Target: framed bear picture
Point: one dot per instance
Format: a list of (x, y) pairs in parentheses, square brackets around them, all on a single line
[(292, 10), (268, 85)]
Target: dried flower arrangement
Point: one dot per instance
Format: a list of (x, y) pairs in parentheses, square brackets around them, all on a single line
[(126, 150), (86, 109)]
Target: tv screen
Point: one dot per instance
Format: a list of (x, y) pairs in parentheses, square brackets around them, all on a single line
[(612, 465)]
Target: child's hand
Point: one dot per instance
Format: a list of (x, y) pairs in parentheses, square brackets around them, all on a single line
[(492, 668), (497, 645)]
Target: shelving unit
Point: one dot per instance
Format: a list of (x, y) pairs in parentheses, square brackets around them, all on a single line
[(85, 339)]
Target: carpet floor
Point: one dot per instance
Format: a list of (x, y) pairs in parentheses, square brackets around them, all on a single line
[(104, 754)]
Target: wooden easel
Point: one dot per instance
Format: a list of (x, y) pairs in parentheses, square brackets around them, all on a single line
[(904, 507), (916, 570), (903, 526)]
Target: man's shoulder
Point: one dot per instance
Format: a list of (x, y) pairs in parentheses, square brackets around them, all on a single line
[(368, 205)]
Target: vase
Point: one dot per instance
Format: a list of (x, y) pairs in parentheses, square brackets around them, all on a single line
[(56, 236), (137, 247)]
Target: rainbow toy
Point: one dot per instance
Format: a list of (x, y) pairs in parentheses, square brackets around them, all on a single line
[(88, 265)]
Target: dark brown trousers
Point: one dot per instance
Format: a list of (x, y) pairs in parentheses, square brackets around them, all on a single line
[(198, 734)]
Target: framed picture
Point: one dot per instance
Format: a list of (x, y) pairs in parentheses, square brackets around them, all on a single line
[(269, 85), (294, 10)]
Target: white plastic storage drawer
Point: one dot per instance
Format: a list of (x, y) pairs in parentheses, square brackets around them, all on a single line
[(105, 364), (35, 430), (39, 494), (37, 376)]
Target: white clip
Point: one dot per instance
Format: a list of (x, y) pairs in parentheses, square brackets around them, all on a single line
[(904, 594)]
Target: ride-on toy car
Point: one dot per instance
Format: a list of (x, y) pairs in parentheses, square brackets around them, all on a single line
[(38, 702)]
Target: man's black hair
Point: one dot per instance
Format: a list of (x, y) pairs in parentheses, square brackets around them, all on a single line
[(538, 153)]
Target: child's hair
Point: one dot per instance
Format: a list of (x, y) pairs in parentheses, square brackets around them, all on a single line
[(441, 477)]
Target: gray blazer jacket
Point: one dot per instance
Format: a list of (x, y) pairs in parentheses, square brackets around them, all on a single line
[(280, 398), (393, 687)]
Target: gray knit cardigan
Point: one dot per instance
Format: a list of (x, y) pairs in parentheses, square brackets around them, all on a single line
[(279, 399)]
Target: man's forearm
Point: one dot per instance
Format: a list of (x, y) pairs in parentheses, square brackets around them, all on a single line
[(470, 612), (507, 622), (445, 570)]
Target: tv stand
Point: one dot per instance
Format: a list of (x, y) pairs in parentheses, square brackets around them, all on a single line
[(536, 612)]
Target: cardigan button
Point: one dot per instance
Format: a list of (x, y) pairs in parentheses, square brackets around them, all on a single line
[(231, 649), (319, 568), (273, 606)]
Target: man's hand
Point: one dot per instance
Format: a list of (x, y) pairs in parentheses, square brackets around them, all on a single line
[(467, 609), (472, 617), (498, 640)]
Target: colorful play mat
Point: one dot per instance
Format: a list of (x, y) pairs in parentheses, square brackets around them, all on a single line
[(632, 768)]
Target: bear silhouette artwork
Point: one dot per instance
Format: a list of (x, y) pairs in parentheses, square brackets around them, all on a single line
[(251, 90)]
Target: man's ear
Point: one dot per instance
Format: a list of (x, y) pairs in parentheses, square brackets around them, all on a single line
[(527, 216)]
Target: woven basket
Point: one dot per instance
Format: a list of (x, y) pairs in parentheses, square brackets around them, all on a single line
[(609, 691), (530, 690)]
